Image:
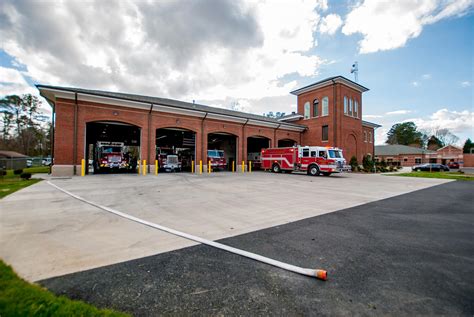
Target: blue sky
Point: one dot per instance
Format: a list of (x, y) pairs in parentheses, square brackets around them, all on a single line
[(416, 57)]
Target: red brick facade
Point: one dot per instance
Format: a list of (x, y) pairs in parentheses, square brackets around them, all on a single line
[(344, 131), (73, 113)]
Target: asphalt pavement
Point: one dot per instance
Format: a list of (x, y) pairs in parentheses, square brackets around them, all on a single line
[(405, 255)]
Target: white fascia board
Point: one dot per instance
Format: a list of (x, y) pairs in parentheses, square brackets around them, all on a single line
[(56, 93), (226, 118), (186, 112), (328, 83), (113, 101), (292, 128), (263, 123)]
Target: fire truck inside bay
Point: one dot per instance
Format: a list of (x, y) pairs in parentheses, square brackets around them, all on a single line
[(314, 160)]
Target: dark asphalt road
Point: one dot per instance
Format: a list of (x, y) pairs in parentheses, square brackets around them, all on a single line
[(411, 254)]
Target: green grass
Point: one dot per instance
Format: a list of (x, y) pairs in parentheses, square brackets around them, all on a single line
[(11, 185), (443, 175), (32, 170), (20, 298)]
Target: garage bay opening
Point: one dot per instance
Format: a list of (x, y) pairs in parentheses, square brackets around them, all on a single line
[(222, 151), (175, 149), (286, 143), (112, 147), (255, 144)]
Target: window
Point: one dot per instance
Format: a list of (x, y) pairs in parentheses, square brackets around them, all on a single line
[(306, 110), (334, 154), (345, 105), (315, 107), (313, 154), (350, 106), (305, 152), (405, 159), (365, 136), (418, 160), (322, 154), (325, 109), (356, 109), (370, 137), (325, 132)]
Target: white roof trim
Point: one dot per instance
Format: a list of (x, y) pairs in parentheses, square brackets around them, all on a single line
[(53, 94), (328, 83)]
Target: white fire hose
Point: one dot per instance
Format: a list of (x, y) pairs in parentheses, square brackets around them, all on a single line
[(320, 274)]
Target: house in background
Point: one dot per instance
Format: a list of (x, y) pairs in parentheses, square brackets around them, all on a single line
[(12, 160), (403, 155)]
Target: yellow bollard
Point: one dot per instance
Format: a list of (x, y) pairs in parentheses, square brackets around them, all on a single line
[(156, 167), (250, 166), (200, 166), (83, 167), (144, 167), (192, 167), (138, 166), (243, 166), (233, 166), (209, 168)]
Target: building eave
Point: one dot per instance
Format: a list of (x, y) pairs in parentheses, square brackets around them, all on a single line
[(330, 81)]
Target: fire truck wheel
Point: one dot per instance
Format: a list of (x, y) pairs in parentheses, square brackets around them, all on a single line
[(313, 170), (276, 168)]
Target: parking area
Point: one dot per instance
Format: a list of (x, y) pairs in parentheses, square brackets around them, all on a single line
[(45, 233), (407, 255)]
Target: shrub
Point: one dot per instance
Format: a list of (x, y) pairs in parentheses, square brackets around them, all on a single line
[(354, 164), (367, 163), (18, 171), (25, 176), (3, 173)]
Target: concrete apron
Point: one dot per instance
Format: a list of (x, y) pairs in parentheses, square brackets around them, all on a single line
[(45, 233)]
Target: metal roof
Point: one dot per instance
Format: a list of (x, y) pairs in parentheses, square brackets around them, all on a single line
[(167, 102), (398, 149), (327, 81), (370, 124)]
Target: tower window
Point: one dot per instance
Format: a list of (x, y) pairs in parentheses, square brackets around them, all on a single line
[(315, 107), (306, 110), (325, 108), (325, 133)]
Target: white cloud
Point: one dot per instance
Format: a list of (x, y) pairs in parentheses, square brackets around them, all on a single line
[(398, 112), (426, 76), (208, 50), (330, 24), (465, 84), (415, 83), (387, 25), (456, 121), (12, 82)]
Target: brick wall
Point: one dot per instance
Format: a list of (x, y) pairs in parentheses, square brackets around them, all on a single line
[(468, 160)]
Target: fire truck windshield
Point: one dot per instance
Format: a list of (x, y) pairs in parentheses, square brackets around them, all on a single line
[(111, 149), (335, 154), (215, 153)]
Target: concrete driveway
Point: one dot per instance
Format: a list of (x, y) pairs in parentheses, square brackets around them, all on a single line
[(45, 233)]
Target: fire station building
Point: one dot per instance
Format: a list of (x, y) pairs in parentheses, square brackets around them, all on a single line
[(329, 113)]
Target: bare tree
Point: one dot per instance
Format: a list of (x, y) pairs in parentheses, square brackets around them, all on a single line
[(445, 136)]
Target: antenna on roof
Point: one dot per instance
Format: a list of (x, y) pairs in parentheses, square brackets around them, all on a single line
[(355, 70)]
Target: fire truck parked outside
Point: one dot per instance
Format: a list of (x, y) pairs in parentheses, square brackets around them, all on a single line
[(314, 160)]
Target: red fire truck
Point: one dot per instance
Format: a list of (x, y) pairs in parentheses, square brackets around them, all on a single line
[(110, 155), (314, 160), (217, 159)]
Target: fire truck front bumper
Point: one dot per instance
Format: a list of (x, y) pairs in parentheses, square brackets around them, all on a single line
[(345, 168)]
